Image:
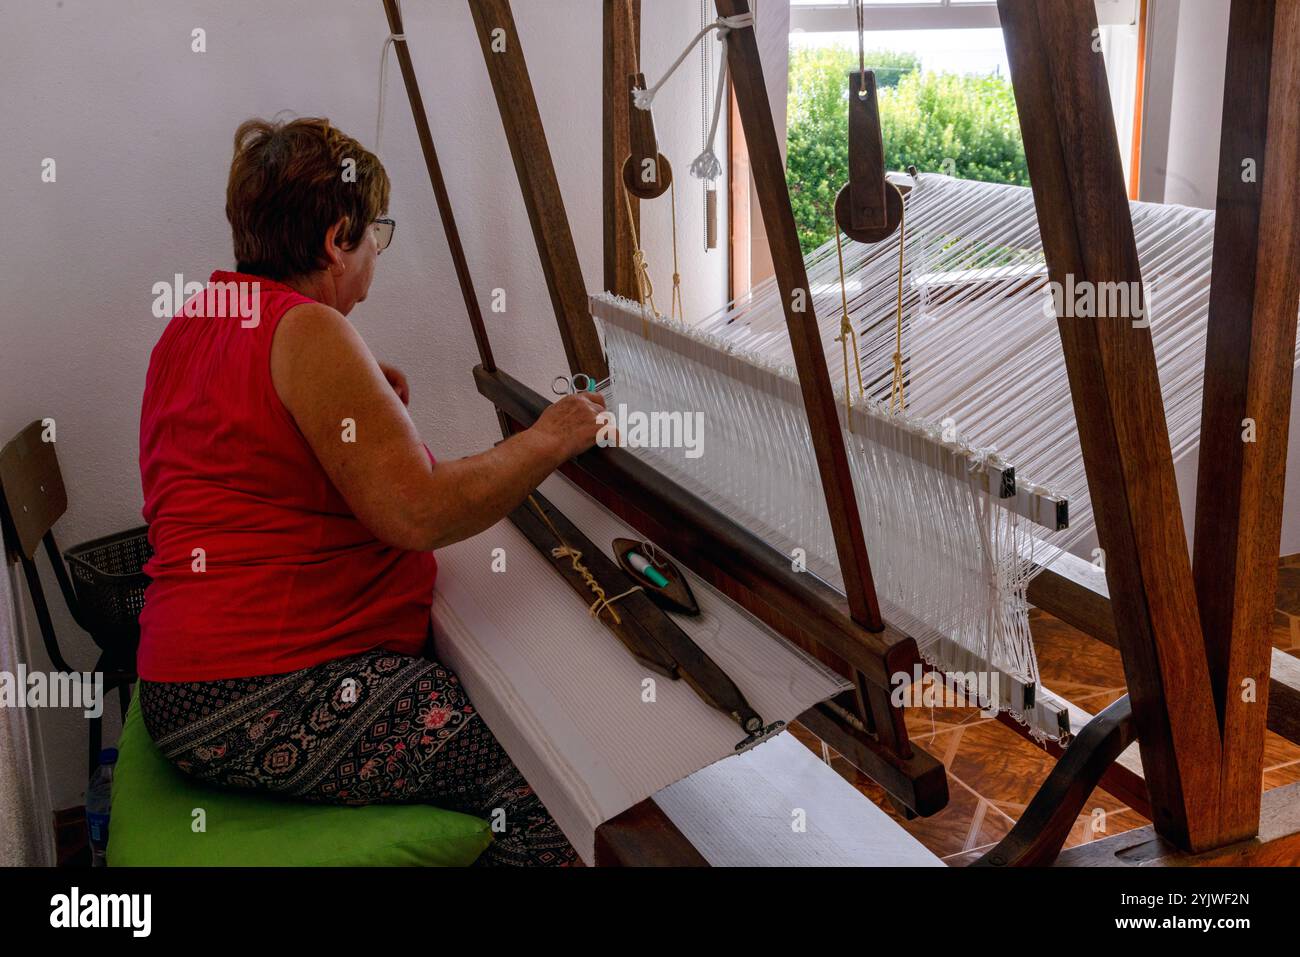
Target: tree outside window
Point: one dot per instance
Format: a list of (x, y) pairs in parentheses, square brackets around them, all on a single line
[(963, 125)]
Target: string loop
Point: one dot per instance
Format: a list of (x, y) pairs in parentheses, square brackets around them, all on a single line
[(383, 84), (564, 550), (706, 166)]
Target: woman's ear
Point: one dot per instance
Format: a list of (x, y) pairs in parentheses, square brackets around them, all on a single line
[(334, 250)]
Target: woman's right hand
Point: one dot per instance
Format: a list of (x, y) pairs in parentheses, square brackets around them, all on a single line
[(571, 424)]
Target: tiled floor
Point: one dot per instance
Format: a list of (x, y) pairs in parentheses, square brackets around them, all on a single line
[(993, 772)]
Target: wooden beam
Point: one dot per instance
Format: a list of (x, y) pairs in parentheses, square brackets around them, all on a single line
[(504, 55), (643, 836), (434, 168), (918, 783), (1284, 695), (768, 170), (622, 55), (1249, 364), (867, 185), (1083, 214)]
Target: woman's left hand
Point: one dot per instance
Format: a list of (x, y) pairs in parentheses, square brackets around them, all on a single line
[(397, 380)]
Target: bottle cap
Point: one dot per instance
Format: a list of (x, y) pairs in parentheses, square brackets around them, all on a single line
[(108, 756)]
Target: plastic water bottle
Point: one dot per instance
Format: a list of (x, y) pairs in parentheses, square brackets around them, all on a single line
[(98, 801)]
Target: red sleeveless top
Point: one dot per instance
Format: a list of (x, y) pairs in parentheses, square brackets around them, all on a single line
[(289, 578)]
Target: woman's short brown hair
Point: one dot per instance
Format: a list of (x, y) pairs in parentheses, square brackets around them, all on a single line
[(291, 181)]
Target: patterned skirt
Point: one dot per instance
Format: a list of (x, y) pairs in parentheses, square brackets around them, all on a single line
[(373, 728)]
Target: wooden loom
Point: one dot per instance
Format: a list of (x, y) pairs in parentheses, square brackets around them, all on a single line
[(1196, 628)]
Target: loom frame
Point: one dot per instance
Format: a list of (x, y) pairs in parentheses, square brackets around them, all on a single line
[(864, 724), (1205, 806)]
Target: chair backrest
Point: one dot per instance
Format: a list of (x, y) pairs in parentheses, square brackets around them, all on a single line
[(31, 487)]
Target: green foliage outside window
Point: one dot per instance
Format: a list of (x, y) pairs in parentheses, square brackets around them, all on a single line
[(964, 126)]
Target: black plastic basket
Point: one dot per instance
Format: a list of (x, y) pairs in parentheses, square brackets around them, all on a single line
[(109, 583)]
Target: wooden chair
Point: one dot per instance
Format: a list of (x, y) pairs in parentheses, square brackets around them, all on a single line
[(32, 498)]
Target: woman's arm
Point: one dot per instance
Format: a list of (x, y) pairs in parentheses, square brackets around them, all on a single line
[(325, 374)]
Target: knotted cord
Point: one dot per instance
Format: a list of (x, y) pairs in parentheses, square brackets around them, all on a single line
[(896, 399), (383, 83), (862, 48), (645, 289), (565, 550), (706, 166), (847, 334), (677, 310)]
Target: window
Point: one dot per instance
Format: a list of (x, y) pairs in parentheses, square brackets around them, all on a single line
[(945, 95)]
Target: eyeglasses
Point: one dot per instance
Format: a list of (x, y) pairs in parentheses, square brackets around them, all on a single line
[(384, 232)]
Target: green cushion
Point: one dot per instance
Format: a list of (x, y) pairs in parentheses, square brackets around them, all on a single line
[(153, 814)]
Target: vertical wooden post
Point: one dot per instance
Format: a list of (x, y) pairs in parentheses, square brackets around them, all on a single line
[(796, 298), (1083, 214), (622, 56), (1249, 361), (504, 55), (439, 185)]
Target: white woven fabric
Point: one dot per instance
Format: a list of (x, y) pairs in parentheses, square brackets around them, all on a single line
[(780, 806), (565, 698)]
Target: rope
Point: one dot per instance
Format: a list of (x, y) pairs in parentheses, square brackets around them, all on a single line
[(602, 603), (706, 75), (847, 333), (706, 166), (677, 310), (862, 48), (383, 84), (897, 400), (645, 289)]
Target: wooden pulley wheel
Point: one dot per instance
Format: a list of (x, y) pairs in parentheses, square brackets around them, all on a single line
[(872, 234), (642, 187)]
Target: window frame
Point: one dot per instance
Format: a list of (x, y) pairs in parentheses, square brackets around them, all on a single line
[(841, 17)]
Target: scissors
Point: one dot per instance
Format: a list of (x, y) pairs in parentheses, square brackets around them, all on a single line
[(579, 382)]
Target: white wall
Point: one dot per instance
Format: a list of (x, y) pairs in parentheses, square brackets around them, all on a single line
[(1187, 56), (1191, 168), (140, 128)]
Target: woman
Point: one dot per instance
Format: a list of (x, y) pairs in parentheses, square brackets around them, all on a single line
[(293, 512)]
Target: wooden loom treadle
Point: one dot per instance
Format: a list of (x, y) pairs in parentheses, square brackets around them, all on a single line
[(1042, 828)]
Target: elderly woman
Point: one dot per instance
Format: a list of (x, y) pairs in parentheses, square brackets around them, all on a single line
[(293, 512)]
